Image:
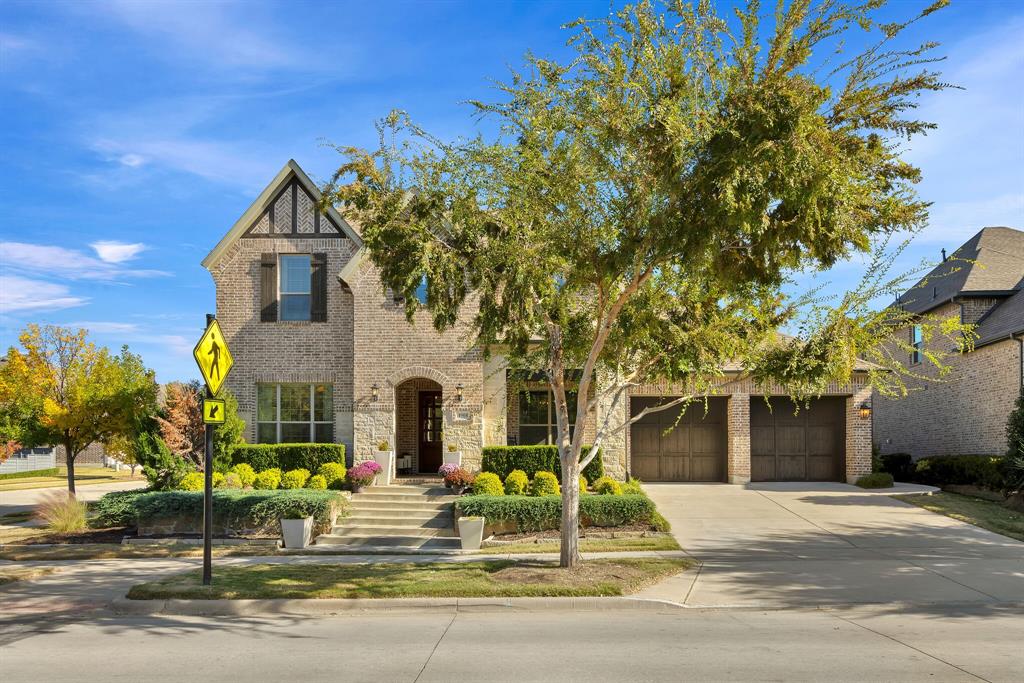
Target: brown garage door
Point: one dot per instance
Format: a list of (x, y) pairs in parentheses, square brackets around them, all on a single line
[(804, 445), (693, 450)]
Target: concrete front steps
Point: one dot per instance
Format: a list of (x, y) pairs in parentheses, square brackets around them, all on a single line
[(406, 517)]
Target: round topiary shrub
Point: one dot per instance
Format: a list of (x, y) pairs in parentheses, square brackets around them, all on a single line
[(232, 481), (218, 480), (488, 484), (583, 484), (193, 481), (317, 481), (632, 488), (875, 480), (267, 479), (606, 486), (294, 479), (246, 474), (544, 484), (516, 483), (333, 473)]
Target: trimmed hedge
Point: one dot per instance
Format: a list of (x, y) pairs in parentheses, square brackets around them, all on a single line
[(541, 513), (899, 465), (49, 472), (985, 471), (288, 456), (116, 509), (234, 511), (531, 459), (875, 480)]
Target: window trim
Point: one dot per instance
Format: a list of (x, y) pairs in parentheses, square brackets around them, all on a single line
[(552, 422), (278, 422), (281, 294)]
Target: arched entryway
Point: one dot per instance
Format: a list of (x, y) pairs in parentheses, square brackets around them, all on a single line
[(419, 425)]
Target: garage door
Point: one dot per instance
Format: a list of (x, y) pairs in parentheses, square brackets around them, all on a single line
[(692, 450), (805, 446)]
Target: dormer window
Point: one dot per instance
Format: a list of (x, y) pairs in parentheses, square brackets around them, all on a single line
[(293, 288)]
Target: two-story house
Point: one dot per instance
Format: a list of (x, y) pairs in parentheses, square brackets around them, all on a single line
[(323, 353), (964, 412)]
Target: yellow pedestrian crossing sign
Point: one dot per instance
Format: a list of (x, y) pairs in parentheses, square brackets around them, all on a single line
[(213, 411), (213, 357)]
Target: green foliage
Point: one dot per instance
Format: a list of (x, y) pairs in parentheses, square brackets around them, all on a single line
[(268, 479), (333, 473), (503, 459), (899, 465), (963, 470), (50, 472), (516, 483), (218, 480), (239, 510), (193, 481), (116, 509), (1015, 428), (583, 484), (288, 456), (317, 481), (228, 435), (294, 479), (544, 484), (608, 486), (162, 468), (541, 513), (231, 480), (875, 480), (631, 487), (245, 473), (488, 484), (61, 512)]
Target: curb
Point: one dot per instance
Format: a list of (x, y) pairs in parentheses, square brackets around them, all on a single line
[(332, 606)]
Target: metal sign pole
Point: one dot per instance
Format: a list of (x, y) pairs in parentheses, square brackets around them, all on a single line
[(208, 494)]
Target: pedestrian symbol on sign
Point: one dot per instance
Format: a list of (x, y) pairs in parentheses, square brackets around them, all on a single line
[(213, 357)]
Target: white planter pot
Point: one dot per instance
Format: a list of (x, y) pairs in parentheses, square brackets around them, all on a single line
[(297, 533), (386, 460), (453, 458), (471, 531)]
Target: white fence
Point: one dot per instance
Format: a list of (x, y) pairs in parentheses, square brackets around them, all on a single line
[(28, 460)]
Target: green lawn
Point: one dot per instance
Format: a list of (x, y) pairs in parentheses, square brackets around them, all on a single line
[(83, 477), (490, 578), (589, 545), (977, 511), (112, 551)]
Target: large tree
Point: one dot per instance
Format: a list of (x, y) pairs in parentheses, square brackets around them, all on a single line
[(62, 389), (183, 431), (644, 207)]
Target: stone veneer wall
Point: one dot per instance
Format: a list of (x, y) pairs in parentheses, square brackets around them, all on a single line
[(275, 352)]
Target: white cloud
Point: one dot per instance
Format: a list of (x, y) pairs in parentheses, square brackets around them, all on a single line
[(105, 327), (24, 294), (132, 160), (112, 251), (64, 263)]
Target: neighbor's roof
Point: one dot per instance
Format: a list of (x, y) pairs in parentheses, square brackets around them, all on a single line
[(263, 202), (989, 264)]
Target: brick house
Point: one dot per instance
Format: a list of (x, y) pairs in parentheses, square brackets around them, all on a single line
[(966, 411), (323, 353)]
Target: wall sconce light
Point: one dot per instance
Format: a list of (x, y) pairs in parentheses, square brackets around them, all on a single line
[(458, 392), (375, 392), (865, 410)]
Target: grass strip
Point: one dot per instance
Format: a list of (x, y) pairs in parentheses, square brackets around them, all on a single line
[(986, 514), (588, 545)]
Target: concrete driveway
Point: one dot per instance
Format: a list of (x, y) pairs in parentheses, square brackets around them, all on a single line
[(819, 545)]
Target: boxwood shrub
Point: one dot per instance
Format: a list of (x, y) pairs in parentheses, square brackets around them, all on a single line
[(984, 471), (235, 511), (531, 459), (541, 513), (115, 509), (288, 456), (875, 480)]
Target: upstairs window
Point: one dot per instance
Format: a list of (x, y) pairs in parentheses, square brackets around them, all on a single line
[(537, 421), (917, 342), (295, 286)]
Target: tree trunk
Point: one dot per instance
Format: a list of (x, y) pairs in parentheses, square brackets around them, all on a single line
[(570, 556), (69, 457)]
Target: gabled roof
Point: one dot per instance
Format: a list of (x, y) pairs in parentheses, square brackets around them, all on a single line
[(989, 264), (290, 171)]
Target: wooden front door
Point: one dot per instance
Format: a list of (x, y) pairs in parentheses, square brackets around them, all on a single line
[(429, 430)]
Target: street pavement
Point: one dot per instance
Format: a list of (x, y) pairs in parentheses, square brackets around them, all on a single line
[(27, 499)]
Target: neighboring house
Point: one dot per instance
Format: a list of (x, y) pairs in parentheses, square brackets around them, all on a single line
[(966, 411), (323, 353)]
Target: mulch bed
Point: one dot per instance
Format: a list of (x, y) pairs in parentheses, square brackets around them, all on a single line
[(111, 535)]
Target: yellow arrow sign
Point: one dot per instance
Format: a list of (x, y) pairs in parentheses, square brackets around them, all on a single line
[(213, 357), (213, 411)]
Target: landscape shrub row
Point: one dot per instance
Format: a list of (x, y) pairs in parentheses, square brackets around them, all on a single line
[(288, 456), (989, 472), (542, 513), (531, 459), (330, 475)]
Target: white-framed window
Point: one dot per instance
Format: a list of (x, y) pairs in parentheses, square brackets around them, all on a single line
[(917, 343), (294, 286), (537, 421), (294, 413)]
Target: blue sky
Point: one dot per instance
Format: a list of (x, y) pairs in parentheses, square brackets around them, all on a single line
[(135, 133)]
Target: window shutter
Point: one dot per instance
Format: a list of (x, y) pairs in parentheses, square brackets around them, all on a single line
[(318, 288), (268, 288)]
